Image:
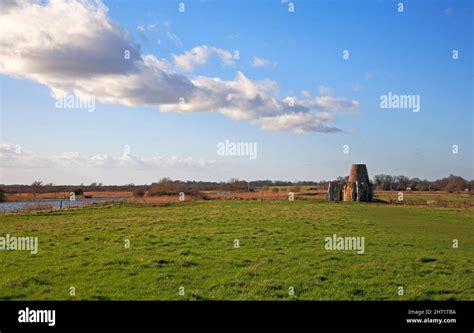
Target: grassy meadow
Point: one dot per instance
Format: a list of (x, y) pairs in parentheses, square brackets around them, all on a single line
[(281, 245)]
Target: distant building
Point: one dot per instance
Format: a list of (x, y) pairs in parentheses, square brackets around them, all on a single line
[(357, 188)]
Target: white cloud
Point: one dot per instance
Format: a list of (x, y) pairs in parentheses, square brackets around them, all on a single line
[(174, 38), (83, 53), (141, 33), (152, 26), (331, 104), (199, 55), (13, 156), (10, 158), (298, 122), (260, 62)]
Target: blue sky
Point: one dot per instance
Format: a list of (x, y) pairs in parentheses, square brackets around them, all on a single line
[(403, 53)]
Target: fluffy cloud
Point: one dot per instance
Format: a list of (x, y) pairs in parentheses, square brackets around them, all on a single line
[(81, 51), (298, 122), (199, 55), (14, 157)]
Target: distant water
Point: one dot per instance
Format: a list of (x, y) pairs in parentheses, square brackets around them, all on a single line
[(55, 203)]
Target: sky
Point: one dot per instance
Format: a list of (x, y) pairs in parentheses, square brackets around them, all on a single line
[(301, 82)]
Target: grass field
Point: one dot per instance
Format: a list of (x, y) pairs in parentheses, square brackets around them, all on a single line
[(191, 245)]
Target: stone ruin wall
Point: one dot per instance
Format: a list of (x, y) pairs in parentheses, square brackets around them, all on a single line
[(357, 188)]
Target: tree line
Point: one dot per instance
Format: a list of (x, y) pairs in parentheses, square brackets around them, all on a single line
[(396, 183), (168, 186)]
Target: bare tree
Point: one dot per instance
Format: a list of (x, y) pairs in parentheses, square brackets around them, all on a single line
[(36, 187)]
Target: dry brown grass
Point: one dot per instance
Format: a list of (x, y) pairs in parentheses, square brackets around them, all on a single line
[(423, 198), (164, 198), (265, 194), (111, 194)]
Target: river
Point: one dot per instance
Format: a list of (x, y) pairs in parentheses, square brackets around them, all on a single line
[(13, 206)]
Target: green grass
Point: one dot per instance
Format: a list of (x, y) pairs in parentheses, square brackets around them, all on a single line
[(430, 198), (281, 245)]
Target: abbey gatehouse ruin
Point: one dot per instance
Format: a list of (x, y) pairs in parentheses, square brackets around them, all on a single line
[(357, 188)]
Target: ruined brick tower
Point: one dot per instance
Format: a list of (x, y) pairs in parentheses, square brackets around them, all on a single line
[(357, 188)]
